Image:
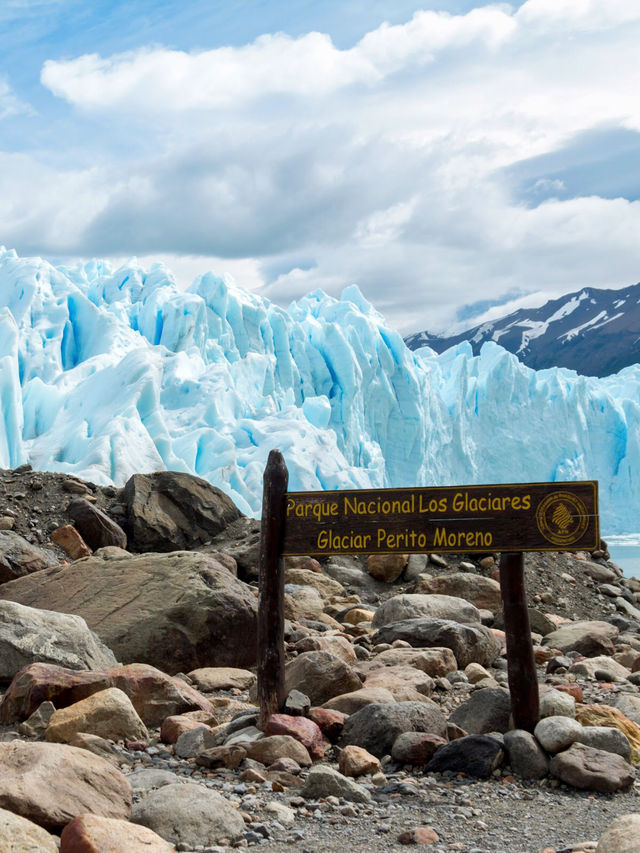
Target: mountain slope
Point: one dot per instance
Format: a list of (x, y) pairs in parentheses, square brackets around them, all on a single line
[(595, 332)]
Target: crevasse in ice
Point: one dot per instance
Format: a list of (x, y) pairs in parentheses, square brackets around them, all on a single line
[(106, 372)]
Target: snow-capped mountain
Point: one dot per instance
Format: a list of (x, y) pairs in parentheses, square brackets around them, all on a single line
[(595, 332), (107, 372)]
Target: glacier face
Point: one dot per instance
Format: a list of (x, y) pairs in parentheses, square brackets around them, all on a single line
[(106, 372)]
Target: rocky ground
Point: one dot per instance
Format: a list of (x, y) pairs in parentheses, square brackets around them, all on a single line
[(141, 732)]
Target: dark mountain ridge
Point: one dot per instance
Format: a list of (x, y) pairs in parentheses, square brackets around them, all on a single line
[(594, 332)]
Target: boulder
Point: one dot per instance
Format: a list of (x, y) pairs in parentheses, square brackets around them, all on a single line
[(19, 835), (300, 728), (19, 557), (153, 694), (622, 836), (170, 511), (589, 638), (28, 635), (189, 815), (349, 703), (482, 592), (396, 679), (416, 748), (194, 741), (557, 733), (102, 747), (605, 715), (434, 662), (329, 722), (475, 755), (376, 727), (178, 611), (211, 678), (107, 713), (89, 833), (270, 749), (412, 606), (468, 643), (338, 646), (241, 540), (327, 587), (94, 526), (386, 567), (324, 781), (486, 710), (68, 538), (607, 738), (629, 705), (51, 783), (320, 676), (526, 756), (174, 726), (355, 761), (599, 667), (592, 769), (556, 703)]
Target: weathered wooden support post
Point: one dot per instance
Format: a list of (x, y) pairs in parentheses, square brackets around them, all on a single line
[(271, 693), (521, 666)]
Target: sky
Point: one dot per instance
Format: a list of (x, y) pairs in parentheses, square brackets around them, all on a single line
[(454, 160)]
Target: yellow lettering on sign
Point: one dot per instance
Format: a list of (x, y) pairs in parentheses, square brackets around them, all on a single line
[(461, 538)]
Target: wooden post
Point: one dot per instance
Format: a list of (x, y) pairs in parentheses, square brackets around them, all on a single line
[(271, 694), (521, 666)]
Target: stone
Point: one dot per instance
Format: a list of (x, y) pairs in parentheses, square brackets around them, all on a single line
[(300, 728), (194, 741), (269, 749), (36, 724), (153, 694), (320, 676), (174, 726), (19, 835), (605, 715), (539, 622), (357, 615), (608, 739), (557, 733), (396, 679), (482, 592), (592, 769), (99, 746), (297, 704), (419, 835), (94, 526), (329, 722), (302, 603), (28, 635), (355, 761), (475, 755), (590, 638), (68, 538), (324, 781), (338, 646), (556, 703), (51, 783), (376, 727), (475, 673), (629, 705), (526, 757), (469, 643), (434, 662), (171, 511), (416, 748), (190, 815), (386, 567), (600, 573), (594, 667), (107, 713), (486, 710), (145, 780), (19, 558), (178, 611), (412, 606), (241, 540), (622, 836), (89, 833), (221, 756), (349, 703), (327, 587), (283, 814), (212, 678)]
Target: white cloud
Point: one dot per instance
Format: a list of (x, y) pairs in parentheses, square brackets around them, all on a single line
[(294, 162)]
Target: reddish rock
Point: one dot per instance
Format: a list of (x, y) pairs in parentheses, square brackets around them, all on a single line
[(355, 761), (306, 731), (172, 727), (329, 722), (419, 835), (89, 833), (153, 694), (71, 542)]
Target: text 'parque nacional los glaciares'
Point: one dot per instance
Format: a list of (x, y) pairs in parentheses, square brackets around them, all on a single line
[(516, 517)]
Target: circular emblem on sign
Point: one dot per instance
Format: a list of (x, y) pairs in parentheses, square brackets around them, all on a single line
[(562, 518)]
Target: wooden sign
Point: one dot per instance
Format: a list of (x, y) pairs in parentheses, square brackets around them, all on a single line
[(517, 517)]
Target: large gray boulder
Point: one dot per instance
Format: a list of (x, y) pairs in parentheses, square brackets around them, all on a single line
[(375, 727), (469, 643), (320, 676), (95, 526), (482, 592), (19, 557), (486, 710), (170, 511), (411, 606), (590, 638), (28, 635), (592, 769), (177, 611)]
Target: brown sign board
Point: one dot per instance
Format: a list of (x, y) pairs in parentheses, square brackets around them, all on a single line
[(459, 519)]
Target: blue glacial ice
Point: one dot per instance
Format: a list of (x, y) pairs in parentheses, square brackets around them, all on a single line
[(105, 372)]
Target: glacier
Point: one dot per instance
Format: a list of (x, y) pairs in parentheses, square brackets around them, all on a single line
[(107, 372)]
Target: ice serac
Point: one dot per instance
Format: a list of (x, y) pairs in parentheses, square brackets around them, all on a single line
[(108, 372)]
